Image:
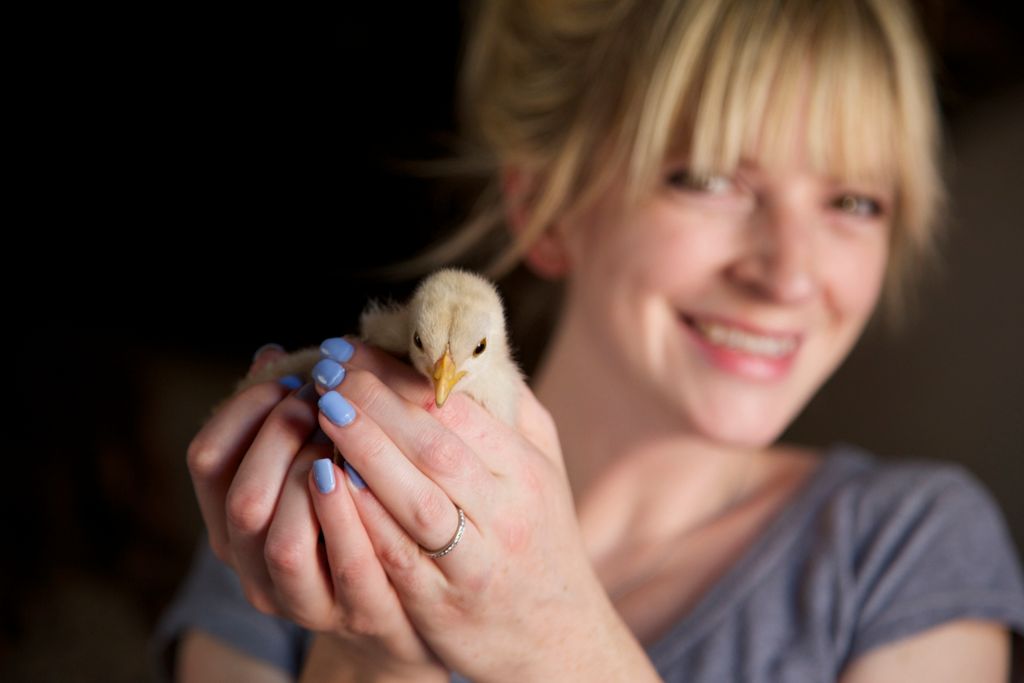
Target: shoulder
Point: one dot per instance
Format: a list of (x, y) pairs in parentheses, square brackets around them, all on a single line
[(903, 507), (883, 496), (918, 544), (866, 553)]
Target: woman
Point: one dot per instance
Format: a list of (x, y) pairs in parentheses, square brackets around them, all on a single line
[(726, 189)]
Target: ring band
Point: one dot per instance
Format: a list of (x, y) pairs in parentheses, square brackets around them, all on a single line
[(455, 539)]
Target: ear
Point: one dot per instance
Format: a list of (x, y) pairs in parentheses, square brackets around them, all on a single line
[(547, 255)]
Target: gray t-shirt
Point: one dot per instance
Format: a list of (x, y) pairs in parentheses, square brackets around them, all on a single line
[(866, 553)]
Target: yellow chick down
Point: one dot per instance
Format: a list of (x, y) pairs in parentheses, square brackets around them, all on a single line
[(453, 331)]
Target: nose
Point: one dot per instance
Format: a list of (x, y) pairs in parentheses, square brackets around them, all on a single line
[(777, 262)]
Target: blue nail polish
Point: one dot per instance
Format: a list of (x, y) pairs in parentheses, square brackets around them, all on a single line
[(328, 373), (337, 409), (354, 477), (323, 475), (291, 381), (266, 347), (307, 392), (337, 348)]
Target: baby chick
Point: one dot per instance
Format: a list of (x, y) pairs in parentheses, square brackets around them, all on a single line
[(452, 330)]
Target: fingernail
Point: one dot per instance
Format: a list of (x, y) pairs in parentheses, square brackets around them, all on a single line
[(307, 392), (291, 381), (266, 347), (336, 408), (337, 348), (328, 373), (354, 477), (323, 475)]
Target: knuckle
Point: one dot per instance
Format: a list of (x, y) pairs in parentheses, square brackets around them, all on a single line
[(536, 482), (441, 452), (202, 458), (453, 609), (373, 448), (290, 417), (311, 621), (431, 513), (456, 413), (513, 534), (351, 574), (473, 585), (365, 388), (247, 509), (358, 623), (398, 557), (312, 616), (285, 558)]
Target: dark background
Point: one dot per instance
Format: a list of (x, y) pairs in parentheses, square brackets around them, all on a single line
[(191, 186)]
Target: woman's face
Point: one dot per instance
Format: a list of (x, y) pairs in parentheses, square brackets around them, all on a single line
[(729, 301)]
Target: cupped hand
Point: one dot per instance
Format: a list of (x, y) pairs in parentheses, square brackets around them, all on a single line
[(249, 466), (516, 598)]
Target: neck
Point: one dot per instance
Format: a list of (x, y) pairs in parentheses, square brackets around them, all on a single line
[(643, 476)]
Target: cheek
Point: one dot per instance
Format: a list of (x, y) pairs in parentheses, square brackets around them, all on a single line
[(855, 274), (678, 255), (657, 251)]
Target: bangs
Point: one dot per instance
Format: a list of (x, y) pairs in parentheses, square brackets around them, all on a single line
[(826, 70)]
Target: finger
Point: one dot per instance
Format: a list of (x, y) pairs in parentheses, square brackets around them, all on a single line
[(294, 558), (460, 413), (253, 494), (536, 424), (264, 356), (400, 376), (368, 602), (418, 468), (413, 573), (216, 451)]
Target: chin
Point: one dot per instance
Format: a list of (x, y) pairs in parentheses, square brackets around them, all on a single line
[(742, 436), (741, 426)]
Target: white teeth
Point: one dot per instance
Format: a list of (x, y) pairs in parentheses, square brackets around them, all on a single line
[(731, 337)]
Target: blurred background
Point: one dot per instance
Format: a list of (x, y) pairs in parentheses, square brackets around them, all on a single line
[(198, 185)]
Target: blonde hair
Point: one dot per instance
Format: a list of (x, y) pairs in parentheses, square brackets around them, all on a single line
[(578, 92)]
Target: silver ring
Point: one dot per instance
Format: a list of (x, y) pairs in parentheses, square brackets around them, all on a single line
[(434, 554)]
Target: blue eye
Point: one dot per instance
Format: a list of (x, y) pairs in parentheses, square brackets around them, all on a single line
[(692, 182), (857, 205)]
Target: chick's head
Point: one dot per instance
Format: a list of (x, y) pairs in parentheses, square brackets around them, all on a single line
[(457, 330)]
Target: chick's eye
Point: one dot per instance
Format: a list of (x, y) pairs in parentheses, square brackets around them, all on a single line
[(480, 347), (858, 205), (683, 179), (417, 341)]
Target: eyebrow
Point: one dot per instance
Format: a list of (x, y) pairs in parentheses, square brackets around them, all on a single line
[(878, 182)]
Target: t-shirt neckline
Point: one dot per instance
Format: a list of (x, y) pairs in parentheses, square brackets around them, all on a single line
[(763, 555)]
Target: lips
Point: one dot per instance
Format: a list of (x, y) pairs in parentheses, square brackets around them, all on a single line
[(742, 349)]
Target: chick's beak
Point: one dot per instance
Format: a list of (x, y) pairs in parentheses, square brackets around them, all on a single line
[(445, 377)]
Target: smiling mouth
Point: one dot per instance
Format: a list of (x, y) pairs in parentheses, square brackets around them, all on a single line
[(743, 340)]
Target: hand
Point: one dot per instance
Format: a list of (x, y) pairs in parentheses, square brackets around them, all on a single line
[(249, 466), (517, 597)]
